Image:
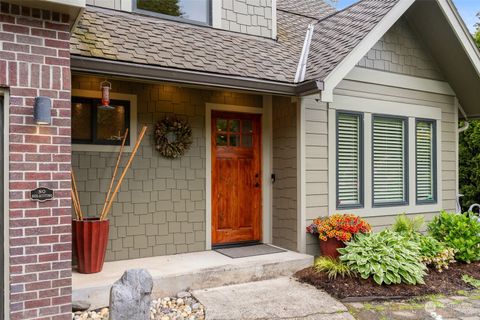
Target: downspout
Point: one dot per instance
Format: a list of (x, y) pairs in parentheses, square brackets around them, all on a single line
[(302, 63), (458, 207)]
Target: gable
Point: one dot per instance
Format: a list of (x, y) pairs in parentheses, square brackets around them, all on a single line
[(400, 50)]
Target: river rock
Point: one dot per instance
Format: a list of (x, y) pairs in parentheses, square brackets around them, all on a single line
[(80, 305), (130, 297)]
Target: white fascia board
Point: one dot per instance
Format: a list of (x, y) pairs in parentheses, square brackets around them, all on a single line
[(349, 62), (398, 80), (461, 31)]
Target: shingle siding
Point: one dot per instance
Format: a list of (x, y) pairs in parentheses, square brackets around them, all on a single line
[(401, 51), (161, 204), (284, 222), (248, 16)]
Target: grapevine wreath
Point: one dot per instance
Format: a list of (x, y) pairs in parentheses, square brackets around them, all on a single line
[(173, 137)]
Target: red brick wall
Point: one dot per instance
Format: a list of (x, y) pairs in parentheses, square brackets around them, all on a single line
[(34, 60)]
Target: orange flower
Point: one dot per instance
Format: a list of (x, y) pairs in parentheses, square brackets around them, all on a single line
[(339, 226)]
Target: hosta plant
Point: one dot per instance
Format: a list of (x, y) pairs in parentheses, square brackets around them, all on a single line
[(386, 256), (460, 232)]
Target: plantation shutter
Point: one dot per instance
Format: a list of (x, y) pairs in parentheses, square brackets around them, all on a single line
[(349, 163), (389, 161), (425, 161)]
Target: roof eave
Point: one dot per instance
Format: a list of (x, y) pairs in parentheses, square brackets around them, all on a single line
[(157, 73)]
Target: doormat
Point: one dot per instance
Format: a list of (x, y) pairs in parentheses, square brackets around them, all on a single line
[(249, 251)]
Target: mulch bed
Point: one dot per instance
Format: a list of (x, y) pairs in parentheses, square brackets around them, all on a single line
[(447, 282)]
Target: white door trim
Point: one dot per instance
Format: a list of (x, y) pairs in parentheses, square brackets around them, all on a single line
[(5, 95), (266, 165)]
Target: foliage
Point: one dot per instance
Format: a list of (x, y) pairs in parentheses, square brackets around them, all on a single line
[(469, 166), (469, 155), (404, 224), (169, 7), (339, 226), (460, 232), (477, 33), (471, 281), (387, 256), (332, 267), (432, 252)]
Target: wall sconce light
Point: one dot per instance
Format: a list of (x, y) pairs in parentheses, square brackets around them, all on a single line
[(42, 110)]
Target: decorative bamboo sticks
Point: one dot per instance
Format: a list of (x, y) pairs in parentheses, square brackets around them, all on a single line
[(110, 195), (76, 198), (114, 173), (122, 176)]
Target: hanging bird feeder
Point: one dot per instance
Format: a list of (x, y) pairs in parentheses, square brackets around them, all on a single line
[(106, 87)]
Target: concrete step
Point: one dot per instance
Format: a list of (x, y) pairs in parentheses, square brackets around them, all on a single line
[(190, 271)]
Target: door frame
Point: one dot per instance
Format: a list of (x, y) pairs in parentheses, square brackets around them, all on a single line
[(267, 160), (5, 96)]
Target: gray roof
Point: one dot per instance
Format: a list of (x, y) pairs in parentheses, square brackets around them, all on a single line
[(130, 37), (337, 35), (315, 9)]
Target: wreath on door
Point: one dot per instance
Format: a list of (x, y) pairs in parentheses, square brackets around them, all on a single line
[(173, 137)]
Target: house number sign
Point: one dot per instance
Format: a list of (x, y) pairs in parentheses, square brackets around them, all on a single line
[(41, 194)]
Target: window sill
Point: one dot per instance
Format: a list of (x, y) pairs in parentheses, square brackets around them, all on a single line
[(393, 210), (99, 148)]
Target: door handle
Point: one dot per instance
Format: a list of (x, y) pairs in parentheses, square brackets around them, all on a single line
[(257, 185)]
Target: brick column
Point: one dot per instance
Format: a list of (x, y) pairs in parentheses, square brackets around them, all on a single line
[(34, 61)]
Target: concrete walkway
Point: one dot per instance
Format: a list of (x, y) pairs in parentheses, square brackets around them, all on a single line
[(281, 298), (461, 307), (199, 270)]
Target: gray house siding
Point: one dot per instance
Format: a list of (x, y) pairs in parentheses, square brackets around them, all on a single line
[(317, 163), (160, 208), (401, 51), (284, 222)]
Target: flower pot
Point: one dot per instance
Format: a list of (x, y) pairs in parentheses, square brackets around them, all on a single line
[(91, 238), (329, 248)]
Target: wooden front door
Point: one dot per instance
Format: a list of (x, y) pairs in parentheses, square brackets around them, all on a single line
[(236, 178)]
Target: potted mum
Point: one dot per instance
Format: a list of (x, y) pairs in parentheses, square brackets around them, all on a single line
[(335, 230)]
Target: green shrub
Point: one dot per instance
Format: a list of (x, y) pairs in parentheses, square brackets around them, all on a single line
[(332, 267), (404, 224), (387, 256), (460, 232), (432, 252)]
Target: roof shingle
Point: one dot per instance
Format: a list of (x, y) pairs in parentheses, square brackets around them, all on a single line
[(130, 37)]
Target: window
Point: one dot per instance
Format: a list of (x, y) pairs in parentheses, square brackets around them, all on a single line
[(198, 11), (390, 161), (234, 133), (349, 157), (425, 160), (94, 125)]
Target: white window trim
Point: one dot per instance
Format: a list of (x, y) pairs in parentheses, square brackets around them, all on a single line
[(133, 121), (267, 161), (369, 107)]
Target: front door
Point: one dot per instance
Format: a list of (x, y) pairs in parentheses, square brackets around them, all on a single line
[(236, 178)]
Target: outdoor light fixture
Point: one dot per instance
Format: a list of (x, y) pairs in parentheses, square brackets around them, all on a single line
[(106, 87), (42, 110)]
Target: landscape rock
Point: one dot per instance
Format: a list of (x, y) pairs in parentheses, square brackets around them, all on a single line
[(130, 297), (80, 305)]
